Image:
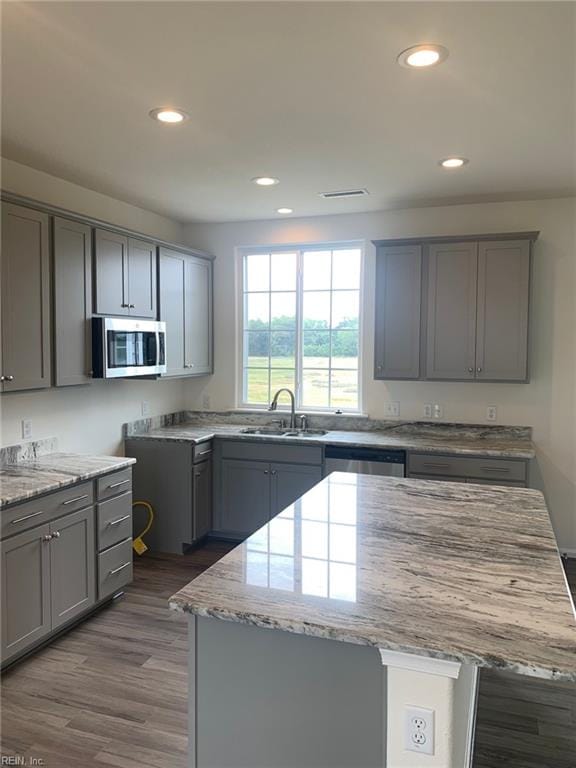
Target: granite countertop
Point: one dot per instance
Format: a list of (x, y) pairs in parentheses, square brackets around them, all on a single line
[(26, 479), (468, 573), (457, 441)]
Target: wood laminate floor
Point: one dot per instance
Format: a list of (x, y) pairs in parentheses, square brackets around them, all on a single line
[(113, 691)]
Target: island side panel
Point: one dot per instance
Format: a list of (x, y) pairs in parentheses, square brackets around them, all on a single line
[(269, 699)]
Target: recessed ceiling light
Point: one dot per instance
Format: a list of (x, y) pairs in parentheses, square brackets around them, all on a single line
[(168, 115), (284, 210), (421, 56), (265, 181), (453, 162)]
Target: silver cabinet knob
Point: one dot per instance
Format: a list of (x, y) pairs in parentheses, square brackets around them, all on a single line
[(378, 367), (131, 306), (470, 370), (6, 378), (265, 471), (46, 537), (124, 306), (479, 370), (56, 535)]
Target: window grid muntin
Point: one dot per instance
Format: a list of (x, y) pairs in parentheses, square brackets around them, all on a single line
[(299, 337)]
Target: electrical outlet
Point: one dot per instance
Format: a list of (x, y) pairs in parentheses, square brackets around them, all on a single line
[(145, 408), (26, 429), (419, 730), (392, 408), (206, 402), (491, 413), (428, 410), (438, 411)]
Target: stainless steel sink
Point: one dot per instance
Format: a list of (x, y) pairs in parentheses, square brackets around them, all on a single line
[(283, 432)]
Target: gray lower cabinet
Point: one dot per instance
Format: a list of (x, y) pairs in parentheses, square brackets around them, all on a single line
[(451, 330), (25, 590), (202, 499), (245, 501), (25, 313), (468, 469), (50, 571), (176, 479), (185, 291), (398, 302), (289, 482), (72, 566), (72, 259)]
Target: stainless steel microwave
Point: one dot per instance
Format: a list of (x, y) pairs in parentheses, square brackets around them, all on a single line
[(124, 347)]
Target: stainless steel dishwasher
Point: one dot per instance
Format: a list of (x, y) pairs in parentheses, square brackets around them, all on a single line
[(365, 461)]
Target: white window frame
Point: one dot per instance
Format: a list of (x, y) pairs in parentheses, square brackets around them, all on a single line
[(241, 252)]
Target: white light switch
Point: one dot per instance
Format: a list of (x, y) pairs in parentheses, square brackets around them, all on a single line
[(438, 411), (428, 410), (491, 413), (26, 429), (145, 408), (392, 408)]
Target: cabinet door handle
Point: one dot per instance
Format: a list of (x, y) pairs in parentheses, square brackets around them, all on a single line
[(436, 465), (496, 469), (55, 535), (26, 517), (114, 571), (125, 306), (47, 537), (71, 501), (204, 453), (120, 482), (131, 306), (6, 378), (120, 520), (478, 370)]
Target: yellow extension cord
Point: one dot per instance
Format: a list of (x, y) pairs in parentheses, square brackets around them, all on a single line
[(138, 543)]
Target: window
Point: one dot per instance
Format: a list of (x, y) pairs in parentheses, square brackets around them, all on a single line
[(301, 326)]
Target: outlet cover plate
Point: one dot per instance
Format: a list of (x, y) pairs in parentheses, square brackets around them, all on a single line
[(145, 408), (438, 411), (427, 410), (491, 413), (419, 730), (26, 429), (392, 408)]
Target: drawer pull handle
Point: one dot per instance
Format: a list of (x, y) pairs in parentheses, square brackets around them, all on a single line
[(114, 571), (120, 520), (436, 465), (71, 501), (121, 482), (26, 517), (204, 453), (496, 469)]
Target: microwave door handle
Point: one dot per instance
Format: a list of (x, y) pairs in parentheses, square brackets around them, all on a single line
[(157, 361)]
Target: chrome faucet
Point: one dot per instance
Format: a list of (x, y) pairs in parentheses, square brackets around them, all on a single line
[(274, 405)]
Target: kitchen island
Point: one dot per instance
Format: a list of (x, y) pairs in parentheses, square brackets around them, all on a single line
[(367, 596)]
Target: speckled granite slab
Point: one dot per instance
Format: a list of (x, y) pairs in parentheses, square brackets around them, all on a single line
[(468, 573), (27, 479), (467, 440)]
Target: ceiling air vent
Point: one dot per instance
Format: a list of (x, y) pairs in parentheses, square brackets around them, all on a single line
[(344, 193)]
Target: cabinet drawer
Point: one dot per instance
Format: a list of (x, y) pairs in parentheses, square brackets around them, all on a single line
[(263, 451), (44, 508), (202, 452), (437, 478), (114, 568), (497, 481), (115, 484), (114, 520), (464, 466)]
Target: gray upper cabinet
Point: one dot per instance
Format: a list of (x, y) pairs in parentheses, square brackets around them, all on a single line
[(198, 316), (72, 247), (453, 308), (451, 332), (111, 272), (72, 566), (172, 307), (503, 297), (125, 270), (398, 301), (25, 590), (186, 307), (25, 273), (141, 278)]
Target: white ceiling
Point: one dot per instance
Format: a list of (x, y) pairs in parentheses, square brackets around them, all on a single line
[(307, 92)]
